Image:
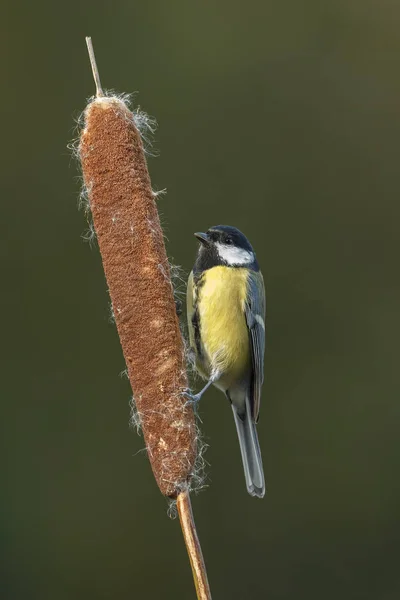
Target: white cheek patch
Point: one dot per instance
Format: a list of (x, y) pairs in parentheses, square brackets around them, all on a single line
[(234, 256)]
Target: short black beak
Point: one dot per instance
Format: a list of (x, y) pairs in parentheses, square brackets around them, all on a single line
[(202, 237)]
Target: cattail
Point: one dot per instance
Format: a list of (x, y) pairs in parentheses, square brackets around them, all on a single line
[(137, 271)]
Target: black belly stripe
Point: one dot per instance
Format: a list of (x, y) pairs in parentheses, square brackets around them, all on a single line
[(196, 330), (198, 281)]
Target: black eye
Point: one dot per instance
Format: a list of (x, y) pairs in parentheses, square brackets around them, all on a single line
[(228, 241)]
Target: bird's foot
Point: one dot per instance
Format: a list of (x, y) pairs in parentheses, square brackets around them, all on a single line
[(191, 399)]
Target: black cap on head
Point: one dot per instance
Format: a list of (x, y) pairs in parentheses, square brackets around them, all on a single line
[(225, 234)]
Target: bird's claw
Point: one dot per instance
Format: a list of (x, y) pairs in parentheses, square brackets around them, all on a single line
[(192, 399)]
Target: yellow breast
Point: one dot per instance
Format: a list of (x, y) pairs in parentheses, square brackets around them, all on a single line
[(224, 333)]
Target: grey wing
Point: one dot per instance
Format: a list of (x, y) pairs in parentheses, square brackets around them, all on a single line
[(255, 318)]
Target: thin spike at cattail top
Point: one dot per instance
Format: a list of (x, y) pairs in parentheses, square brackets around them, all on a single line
[(95, 71), (136, 267)]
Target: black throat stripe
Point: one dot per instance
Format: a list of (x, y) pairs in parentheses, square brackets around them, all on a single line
[(208, 258)]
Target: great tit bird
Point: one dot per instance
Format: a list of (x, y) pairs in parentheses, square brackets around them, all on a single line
[(226, 313)]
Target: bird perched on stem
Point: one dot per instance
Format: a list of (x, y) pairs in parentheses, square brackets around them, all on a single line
[(226, 312)]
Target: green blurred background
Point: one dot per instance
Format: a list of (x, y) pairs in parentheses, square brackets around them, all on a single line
[(281, 118)]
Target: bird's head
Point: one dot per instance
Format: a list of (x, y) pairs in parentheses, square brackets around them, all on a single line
[(224, 245)]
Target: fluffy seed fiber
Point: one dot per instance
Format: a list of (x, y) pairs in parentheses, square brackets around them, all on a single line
[(131, 243)]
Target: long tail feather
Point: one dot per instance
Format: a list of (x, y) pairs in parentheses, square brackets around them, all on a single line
[(250, 449)]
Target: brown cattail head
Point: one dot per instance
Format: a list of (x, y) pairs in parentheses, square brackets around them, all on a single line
[(127, 225)]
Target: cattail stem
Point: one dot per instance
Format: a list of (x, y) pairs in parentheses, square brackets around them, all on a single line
[(127, 225), (193, 546)]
